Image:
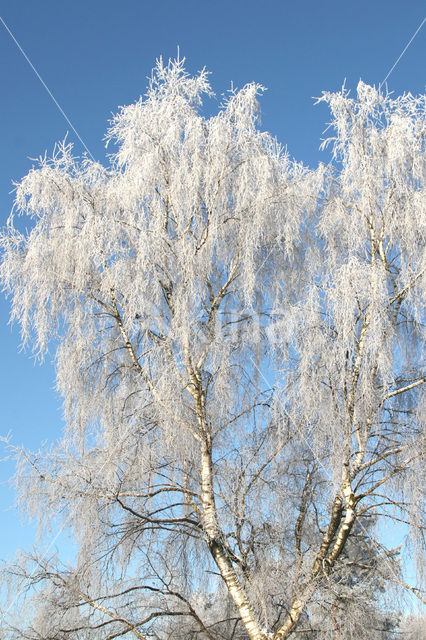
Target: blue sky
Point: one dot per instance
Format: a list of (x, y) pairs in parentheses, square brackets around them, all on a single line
[(95, 55)]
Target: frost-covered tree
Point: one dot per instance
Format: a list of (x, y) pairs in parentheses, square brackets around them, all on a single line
[(413, 627), (355, 605), (238, 344)]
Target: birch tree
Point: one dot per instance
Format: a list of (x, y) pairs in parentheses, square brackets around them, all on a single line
[(238, 346)]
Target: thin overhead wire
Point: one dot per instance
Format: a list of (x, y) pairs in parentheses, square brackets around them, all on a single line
[(404, 50), (52, 542), (46, 87)]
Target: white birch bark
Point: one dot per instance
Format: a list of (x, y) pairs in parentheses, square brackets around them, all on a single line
[(217, 550)]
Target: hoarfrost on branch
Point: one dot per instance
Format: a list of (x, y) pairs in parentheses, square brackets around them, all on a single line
[(238, 345)]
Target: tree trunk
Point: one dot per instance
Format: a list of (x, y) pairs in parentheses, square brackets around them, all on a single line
[(291, 620), (218, 551)]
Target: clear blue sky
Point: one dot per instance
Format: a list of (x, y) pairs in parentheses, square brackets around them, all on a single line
[(95, 55)]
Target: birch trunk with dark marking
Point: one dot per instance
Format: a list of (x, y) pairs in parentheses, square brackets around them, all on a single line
[(214, 542)]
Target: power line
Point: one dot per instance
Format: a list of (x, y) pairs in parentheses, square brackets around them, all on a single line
[(47, 88), (404, 50)]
